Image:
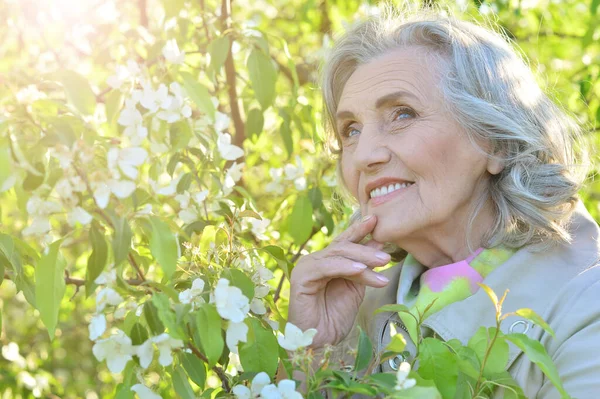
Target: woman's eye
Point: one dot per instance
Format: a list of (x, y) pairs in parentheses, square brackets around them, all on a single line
[(352, 132), (404, 113)]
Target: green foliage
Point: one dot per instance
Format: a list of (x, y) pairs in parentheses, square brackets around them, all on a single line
[(149, 223)]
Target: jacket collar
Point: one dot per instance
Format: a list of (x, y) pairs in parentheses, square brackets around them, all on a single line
[(532, 278)]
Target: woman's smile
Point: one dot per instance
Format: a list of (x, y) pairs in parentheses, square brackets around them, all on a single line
[(387, 193)]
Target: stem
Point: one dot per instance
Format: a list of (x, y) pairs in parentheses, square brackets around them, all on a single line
[(231, 75), (79, 282), (216, 369), (485, 358)]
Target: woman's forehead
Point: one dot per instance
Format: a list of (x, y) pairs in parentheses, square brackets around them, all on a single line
[(402, 74)]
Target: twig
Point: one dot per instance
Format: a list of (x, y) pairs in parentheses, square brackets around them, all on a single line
[(294, 259), (216, 369), (137, 268), (231, 75), (80, 282)]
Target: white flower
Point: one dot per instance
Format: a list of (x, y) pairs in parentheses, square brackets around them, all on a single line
[(221, 122), (128, 159), (330, 180), (257, 306), (144, 392), (166, 185), (97, 326), (165, 345), (152, 100), (193, 295), (107, 278), (107, 296), (236, 333), (294, 338), (145, 352), (122, 74), (300, 183), (261, 291), (175, 108), (11, 353), (401, 381), (235, 171), (132, 119), (275, 186), (40, 210), (117, 350), (200, 197), (29, 94), (79, 215), (227, 150), (102, 190), (285, 389), (259, 381), (231, 303), (292, 172), (259, 227), (38, 226), (172, 54)]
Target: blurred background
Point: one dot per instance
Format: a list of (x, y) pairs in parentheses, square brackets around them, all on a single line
[(561, 40)]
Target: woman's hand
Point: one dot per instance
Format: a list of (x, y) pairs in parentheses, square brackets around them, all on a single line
[(328, 286)]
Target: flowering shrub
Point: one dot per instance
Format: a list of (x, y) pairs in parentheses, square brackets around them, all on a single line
[(164, 160)]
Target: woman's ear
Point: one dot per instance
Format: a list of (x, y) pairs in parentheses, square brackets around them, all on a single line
[(495, 165)]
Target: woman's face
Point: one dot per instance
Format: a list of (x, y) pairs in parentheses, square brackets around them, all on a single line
[(397, 136)]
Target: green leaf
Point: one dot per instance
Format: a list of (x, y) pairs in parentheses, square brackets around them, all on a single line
[(300, 222), (365, 352), (24, 283), (491, 294), (78, 91), (5, 163), (536, 352), (184, 183), (121, 242), (396, 308), (50, 286), (114, 102), (255, 122), (239, 279), (182, 386), (167, 316), (248, 213), (498, 355), (218, 49), (279, 256), (286, 132), (262, 77), (11, 256), (535, 318), (208, 323), (195, 368), (397, 344), (439, 364), (199, 94), (163, 246), (138, 334), (594, 6), (316, 197), (98, 258), (260, 352), (180, 134), (152, 319)]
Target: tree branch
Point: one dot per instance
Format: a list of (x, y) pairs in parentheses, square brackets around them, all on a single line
[(80, 282), (231, 75), (216, 369)]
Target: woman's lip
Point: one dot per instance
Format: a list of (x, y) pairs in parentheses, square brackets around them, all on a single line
[(384, 198)]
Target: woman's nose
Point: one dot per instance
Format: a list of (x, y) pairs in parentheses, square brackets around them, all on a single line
[(371, 150)]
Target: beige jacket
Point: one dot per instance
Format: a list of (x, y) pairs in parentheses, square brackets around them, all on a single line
[(561, 284)]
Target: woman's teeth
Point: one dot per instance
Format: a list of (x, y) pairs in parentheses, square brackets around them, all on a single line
[(378, 192)]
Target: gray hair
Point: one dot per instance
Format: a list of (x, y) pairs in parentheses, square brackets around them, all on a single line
[(493, 95)]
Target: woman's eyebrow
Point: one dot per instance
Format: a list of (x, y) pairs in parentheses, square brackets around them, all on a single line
[(388, 98), (380, 103)]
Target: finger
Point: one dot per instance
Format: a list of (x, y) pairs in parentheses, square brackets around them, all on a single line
[(374, 244), (359, 230), (371, 257), (370, 278), (315, 274)]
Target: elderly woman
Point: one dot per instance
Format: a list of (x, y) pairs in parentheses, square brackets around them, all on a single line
[(455, 157)]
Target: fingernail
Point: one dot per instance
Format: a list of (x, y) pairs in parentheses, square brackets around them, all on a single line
[(382, 278), (358, 266), (383, 256), (366, 217)]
